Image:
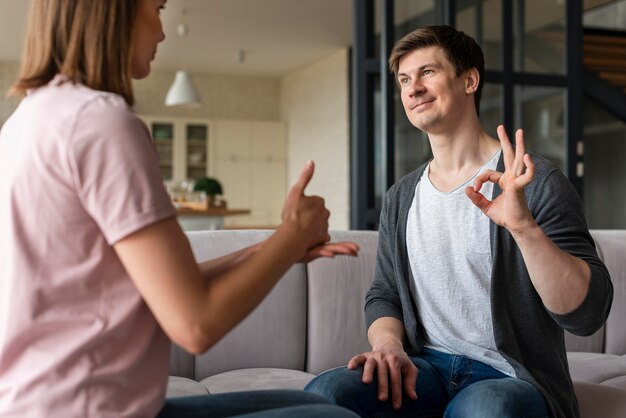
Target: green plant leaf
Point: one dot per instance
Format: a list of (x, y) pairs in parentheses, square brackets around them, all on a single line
[(209, 185)]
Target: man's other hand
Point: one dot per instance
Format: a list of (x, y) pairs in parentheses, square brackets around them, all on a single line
[(393, 368)]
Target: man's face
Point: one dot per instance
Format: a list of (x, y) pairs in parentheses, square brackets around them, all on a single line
[(432, 94)]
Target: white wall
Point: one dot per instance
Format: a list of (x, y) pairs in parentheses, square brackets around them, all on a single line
[(8, 75), (315, 105), (223, 96)]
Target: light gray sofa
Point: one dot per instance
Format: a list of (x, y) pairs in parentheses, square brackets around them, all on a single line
[(313, 320)]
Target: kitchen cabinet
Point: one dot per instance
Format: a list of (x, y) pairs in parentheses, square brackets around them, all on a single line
[(249, 158), (182, 146)]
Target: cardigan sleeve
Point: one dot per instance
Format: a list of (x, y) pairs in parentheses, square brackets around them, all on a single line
[(383, 299), (560, 213)]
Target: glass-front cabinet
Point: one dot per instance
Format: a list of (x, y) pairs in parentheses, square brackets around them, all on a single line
[(196, 139), (163, 136), (182, 146), (247, 157)]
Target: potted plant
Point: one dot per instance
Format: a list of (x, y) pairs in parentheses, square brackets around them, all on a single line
[(211, 187)]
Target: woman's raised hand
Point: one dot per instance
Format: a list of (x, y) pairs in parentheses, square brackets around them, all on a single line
[(309, 217)]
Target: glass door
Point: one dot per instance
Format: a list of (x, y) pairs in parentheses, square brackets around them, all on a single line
[(196, 138), (163, 134), (541, 112), (604, 146)]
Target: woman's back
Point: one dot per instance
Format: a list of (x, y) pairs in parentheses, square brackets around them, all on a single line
[(78, 172)]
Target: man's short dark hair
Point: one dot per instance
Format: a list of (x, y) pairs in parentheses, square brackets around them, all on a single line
[(460, 49)]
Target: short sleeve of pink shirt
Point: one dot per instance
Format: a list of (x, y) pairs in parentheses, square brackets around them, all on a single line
[(115, 169), (78, 173)]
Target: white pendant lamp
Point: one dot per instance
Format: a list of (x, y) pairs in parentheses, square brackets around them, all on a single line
[(182, 92)]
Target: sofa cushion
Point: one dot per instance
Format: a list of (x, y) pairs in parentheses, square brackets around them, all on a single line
[(181, 362), (611, 247), (617, 383), (277, 325), (591, 344), (182, 386), (256, 379), (337, 291), (611, 338), (596, 367), (597, 400)]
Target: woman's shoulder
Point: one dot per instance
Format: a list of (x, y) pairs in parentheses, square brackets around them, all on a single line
[(63, 98), (85, 109)]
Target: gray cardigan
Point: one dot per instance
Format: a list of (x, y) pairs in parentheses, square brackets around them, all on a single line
[(528, 335)]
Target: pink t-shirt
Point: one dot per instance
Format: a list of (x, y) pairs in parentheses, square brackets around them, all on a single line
[(78, 172)]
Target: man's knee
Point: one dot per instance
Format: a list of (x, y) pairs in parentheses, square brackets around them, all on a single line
[(341, 386), (502, 398)]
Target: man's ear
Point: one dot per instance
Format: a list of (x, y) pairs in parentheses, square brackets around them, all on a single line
[(472, 78)]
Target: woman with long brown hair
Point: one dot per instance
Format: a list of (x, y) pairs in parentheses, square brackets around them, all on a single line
[(95, 272)]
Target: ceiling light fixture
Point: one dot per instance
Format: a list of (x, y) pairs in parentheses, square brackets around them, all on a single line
[(182, 92)]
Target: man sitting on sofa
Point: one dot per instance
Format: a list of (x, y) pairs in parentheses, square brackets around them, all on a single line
[(484, 258)]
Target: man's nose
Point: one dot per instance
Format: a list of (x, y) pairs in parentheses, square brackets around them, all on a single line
[(416, 87)]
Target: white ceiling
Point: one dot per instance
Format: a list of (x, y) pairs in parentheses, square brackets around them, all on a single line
[(277, 36)]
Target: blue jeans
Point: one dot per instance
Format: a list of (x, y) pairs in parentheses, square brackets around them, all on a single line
[(447, 385), (256, 404)]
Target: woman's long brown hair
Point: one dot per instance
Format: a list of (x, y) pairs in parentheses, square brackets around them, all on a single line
[(85, 40)]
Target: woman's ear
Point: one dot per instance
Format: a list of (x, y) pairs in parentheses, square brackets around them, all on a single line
[(472, 78)]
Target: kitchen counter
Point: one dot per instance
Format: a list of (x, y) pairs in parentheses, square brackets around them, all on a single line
[(203, 219)]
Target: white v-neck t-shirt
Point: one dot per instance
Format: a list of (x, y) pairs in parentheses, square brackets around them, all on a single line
[(449, 253)]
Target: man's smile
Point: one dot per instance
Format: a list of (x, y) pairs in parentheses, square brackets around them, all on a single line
[(421, 104)]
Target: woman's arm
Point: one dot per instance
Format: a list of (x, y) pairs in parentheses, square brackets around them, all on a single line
[(220, 265), (217, 266), (195, 312)]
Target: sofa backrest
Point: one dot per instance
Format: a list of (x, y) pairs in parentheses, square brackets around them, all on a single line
[(611, 338), (612, 249), (336, 289), (332, 343), (313, 319), (273, 335)]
